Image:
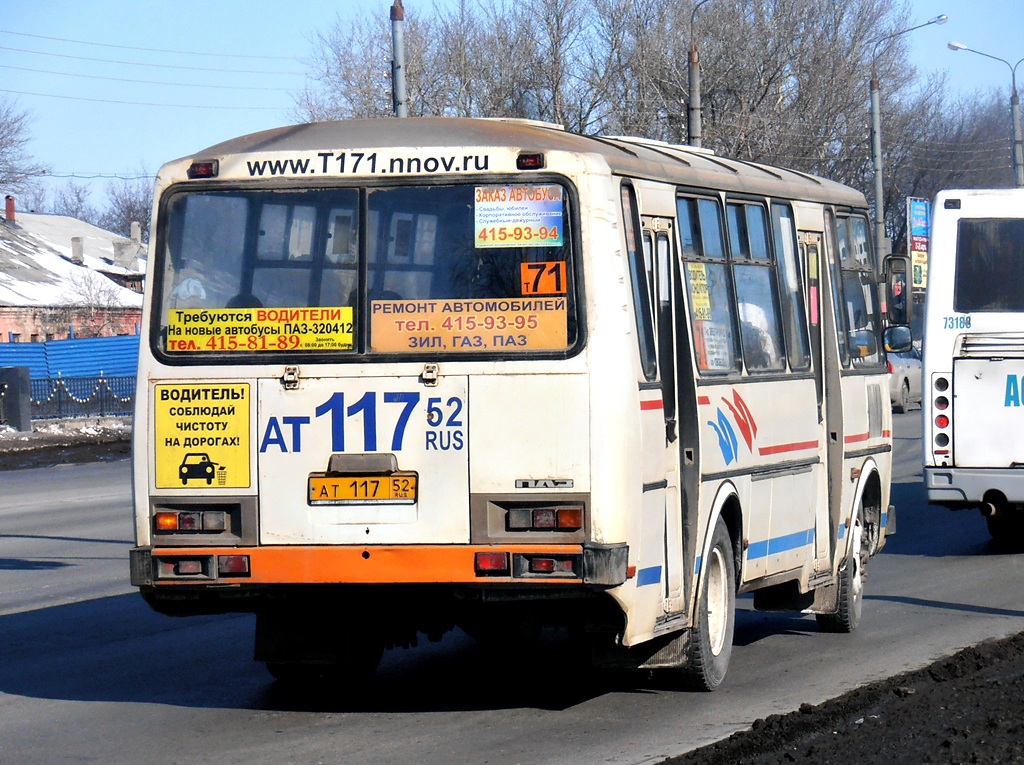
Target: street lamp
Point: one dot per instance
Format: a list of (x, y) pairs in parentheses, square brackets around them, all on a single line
[(1018, 151), (693, 126), (876, 132)]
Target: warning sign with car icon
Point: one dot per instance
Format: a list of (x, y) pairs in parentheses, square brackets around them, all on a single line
[(197, 465), (201, 435)]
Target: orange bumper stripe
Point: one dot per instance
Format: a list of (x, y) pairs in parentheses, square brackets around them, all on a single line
[(425, 564)]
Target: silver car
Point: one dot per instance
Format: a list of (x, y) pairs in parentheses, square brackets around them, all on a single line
[(904, 379)]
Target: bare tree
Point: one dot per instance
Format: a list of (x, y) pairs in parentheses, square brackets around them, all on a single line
[(128, 201), (92, 304), (72, 200), (784, 82), (17, 167)]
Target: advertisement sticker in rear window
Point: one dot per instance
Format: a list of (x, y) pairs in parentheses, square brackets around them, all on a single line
[(519, 215)]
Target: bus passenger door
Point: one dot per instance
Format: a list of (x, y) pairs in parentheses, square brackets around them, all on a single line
[(825, 363), (673, 372)]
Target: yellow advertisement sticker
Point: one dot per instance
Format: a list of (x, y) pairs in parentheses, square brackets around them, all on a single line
[(699, 295), (202, 436), (469, 325), (259, 329)]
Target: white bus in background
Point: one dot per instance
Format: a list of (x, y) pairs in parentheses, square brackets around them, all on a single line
[(409, 374), (973, 401)]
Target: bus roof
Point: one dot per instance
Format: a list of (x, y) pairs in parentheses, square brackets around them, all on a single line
[(637, 157)]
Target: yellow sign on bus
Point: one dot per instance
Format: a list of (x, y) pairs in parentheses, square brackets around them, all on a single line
[(228, 330), (201, 435)]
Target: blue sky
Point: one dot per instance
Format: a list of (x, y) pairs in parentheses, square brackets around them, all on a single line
[(98, 110)]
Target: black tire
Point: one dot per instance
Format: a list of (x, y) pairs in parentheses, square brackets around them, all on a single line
[(851, 587), (903, 402), (1007, 531), (710, 644)]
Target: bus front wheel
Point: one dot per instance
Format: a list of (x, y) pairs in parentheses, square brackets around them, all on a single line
[(711, 640)]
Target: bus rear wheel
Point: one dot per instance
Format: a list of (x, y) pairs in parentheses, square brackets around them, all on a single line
[(710, 644), (851, 587)]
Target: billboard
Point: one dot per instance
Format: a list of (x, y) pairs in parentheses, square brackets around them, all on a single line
[(918, 215)]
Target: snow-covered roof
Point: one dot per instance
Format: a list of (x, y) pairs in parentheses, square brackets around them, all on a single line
[(36, 267)]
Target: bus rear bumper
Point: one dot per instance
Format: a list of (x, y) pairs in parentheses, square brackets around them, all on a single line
[(587, 564), (959, 488)]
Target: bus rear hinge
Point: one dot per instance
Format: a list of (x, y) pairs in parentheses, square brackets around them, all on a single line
[(429, 375), (290, 378)]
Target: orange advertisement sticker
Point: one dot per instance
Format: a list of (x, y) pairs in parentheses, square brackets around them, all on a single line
[(469, 325), (546, 278)]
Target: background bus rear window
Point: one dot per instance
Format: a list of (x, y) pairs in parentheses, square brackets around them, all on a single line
[(989, 265)]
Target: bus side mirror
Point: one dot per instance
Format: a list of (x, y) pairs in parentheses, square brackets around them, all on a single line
[(898, 302), (898, 338)]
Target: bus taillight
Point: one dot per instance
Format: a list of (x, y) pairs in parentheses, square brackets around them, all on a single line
[(205, 169), (233, 565), (941, 421), (492, 563), (530, 162), (547, 518)]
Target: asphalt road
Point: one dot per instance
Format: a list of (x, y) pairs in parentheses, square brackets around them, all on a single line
[(88, 673)]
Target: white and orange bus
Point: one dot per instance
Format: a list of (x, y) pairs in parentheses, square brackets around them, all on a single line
[(407, 375)]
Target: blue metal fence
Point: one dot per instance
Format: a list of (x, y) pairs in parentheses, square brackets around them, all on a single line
[(97, 396)]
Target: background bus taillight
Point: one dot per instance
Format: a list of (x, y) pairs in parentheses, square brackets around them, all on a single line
[(941, 421)]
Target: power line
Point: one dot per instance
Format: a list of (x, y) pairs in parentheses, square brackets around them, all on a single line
[(155, 66), (145, 82), (144, 103), (148, 50)]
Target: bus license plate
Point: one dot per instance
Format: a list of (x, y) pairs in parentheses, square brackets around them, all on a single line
[(396, 489)]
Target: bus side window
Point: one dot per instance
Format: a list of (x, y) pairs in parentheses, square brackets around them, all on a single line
[(790, 287), (706, 274), (756, 291), (639, 280), (860, 291), (837, 299)]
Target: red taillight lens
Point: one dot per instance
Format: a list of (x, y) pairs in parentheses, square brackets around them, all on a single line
[(233, 565), (550, 566), (491, 563), (889, 365), (942, 421), (542, 566), (545, 518), (942, 402), (188, 567), (205, 169), (530, 162)]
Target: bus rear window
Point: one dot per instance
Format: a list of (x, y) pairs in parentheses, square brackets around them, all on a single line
[(989, 265), (467, 268)]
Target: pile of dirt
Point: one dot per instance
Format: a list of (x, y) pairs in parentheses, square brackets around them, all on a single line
[(63, 442), (966, 708)]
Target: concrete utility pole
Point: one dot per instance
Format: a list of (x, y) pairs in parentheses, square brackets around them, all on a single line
[(693, 121), (876, 135), (399, 98)]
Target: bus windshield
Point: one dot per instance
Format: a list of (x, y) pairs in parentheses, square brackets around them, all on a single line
[(396, 269)]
